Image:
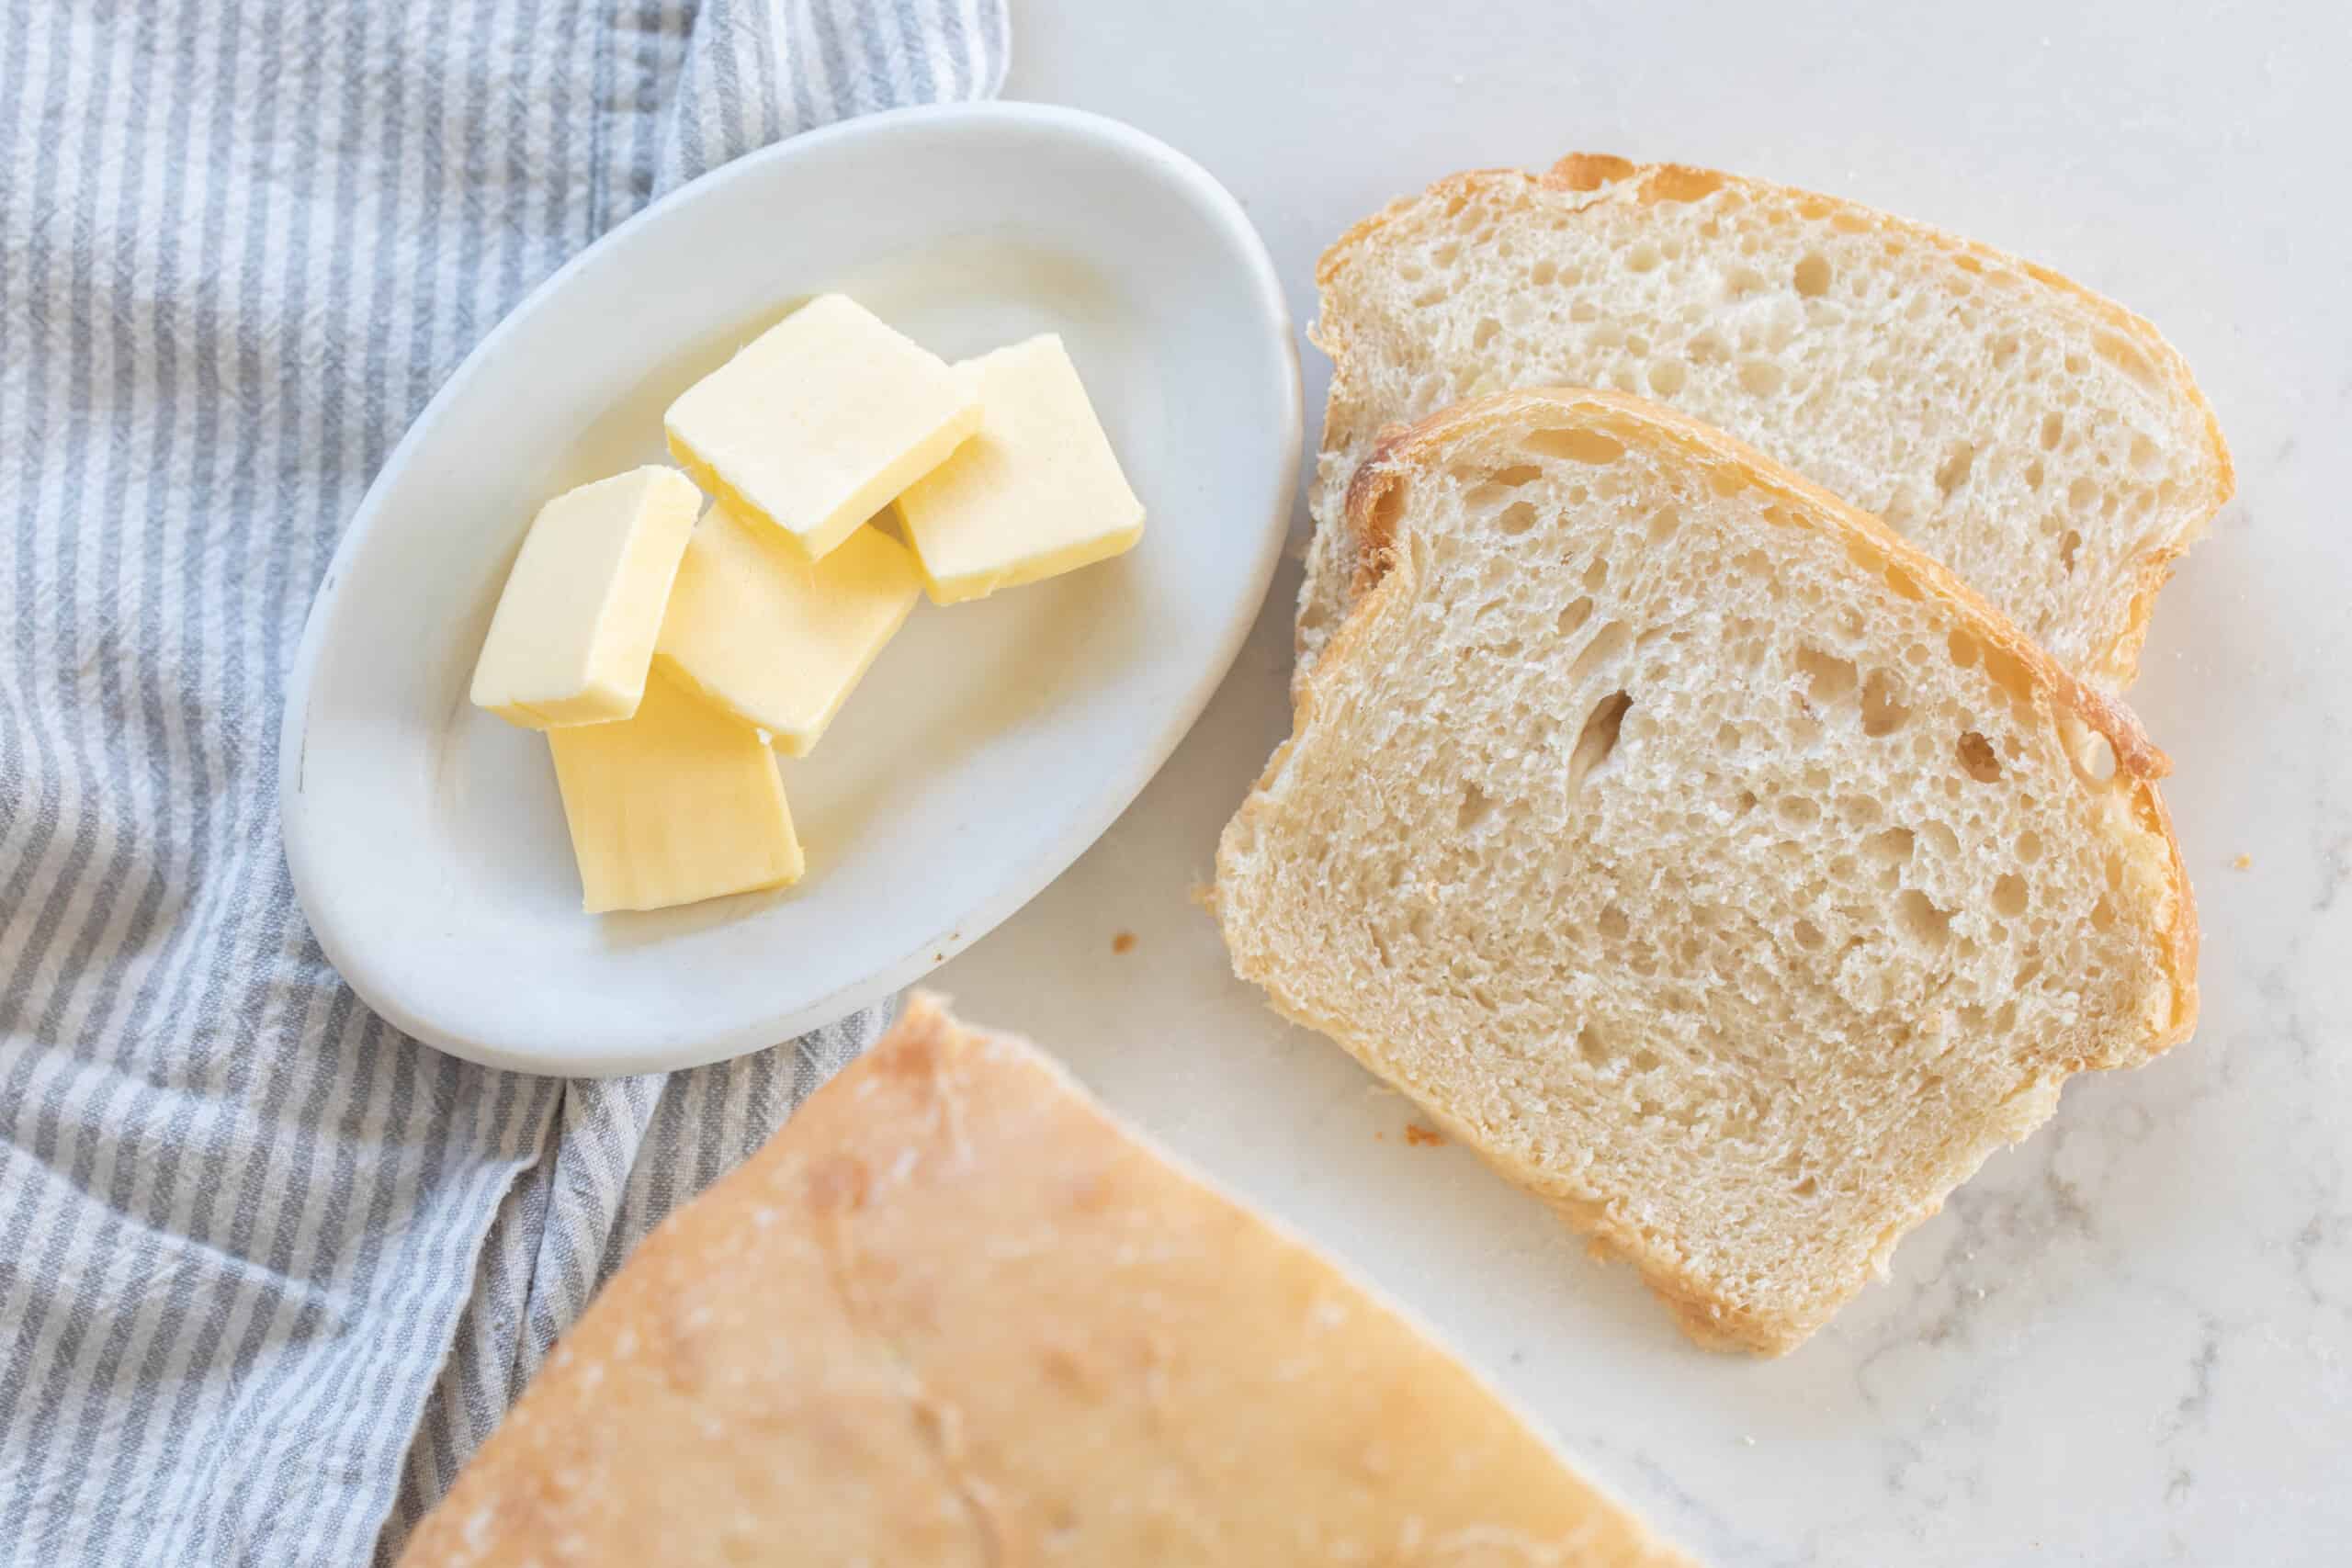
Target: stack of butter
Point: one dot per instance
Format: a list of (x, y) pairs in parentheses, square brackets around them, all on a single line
[(667, 658)]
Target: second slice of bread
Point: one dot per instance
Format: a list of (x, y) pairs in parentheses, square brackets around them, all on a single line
[(1714, 862), (2044, 443)]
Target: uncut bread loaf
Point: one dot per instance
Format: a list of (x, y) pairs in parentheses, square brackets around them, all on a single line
[(2043, 443), (1711, 861), (955, 1314)]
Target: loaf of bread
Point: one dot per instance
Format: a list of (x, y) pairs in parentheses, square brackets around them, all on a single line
[(954, 1314), (1705, 856), (2043, 443)]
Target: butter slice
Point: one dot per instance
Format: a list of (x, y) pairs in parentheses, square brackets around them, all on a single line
[(677, 804), (774, 638), (574, 632), (1037, 493), (819, 421)]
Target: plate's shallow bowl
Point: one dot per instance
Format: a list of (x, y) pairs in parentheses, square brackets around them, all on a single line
[(991, 743)]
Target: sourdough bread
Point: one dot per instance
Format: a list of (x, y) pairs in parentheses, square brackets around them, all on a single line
[(2045, 444), (954, 1314), (1706, 857)]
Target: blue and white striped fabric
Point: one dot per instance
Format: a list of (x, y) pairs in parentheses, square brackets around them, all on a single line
[(268, 1271)]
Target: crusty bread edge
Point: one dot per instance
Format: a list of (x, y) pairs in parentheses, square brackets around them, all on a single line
[(1603, 176), (1385, 569)]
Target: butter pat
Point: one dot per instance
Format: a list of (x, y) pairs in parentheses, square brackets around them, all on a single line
[(1038, 492), (677, 804), (774, 638), (574, 628), (819, 421)]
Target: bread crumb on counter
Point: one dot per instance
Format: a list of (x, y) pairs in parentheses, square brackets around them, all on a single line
[(1422, 1137), (2244, 862), (1125, 942)]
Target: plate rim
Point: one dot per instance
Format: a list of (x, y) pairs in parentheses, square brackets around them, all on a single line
[(300, 831)]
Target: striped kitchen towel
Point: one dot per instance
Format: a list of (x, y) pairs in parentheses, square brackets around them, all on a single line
[(268, 1271)]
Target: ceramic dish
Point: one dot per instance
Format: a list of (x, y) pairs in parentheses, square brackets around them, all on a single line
[(990, 745)]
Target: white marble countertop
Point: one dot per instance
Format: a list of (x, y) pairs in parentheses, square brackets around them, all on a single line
[(2129, 1340)]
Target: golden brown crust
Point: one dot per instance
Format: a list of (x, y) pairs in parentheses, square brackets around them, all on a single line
[(1600, 176), (953, 1314)]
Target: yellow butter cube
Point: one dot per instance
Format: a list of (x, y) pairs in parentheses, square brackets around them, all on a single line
[(775, 638), (678, 804), (819, 421), (1037, 493), (574, 632)]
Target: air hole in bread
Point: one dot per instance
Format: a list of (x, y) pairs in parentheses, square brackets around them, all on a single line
[(1963, 648), (1905, 586), (1798, 810), (1574, 613), (1475, 807), (2093, 754), (1592, 1046), (2102, 916), (1447, 253), (2068, 547), (1741, 281), (1666, 377), (1612, 923), (1882, 709), (1893, 846), (2008, 673), (1606, 643), (1643, 257), (2053, 425), (1919, 919), (1812, 274), (1487, 330), (1517, 518), (1829, 679), (2004, 349), (1542, 273), (2008, 895), (1976, 759), (1663, 523), (1577, 445), (1596, 741), (2028, 846), (1596, 575), (1940, 836), (2033, 473), (2125, 356), (2081, 495), (1761, 377), (1706, 348), (1953, 473)]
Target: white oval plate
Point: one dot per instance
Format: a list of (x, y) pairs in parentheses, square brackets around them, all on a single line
[(990, 745)]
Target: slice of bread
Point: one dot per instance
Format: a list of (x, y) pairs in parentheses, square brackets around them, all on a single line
[(1707, 858), (2046, 444), (952, 1315)]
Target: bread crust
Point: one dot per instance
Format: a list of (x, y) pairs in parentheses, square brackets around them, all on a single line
[(954, 1313), (1385, 569), (1602, 177)]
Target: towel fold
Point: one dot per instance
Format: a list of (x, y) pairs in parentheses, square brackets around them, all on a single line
[(268, 1270)]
